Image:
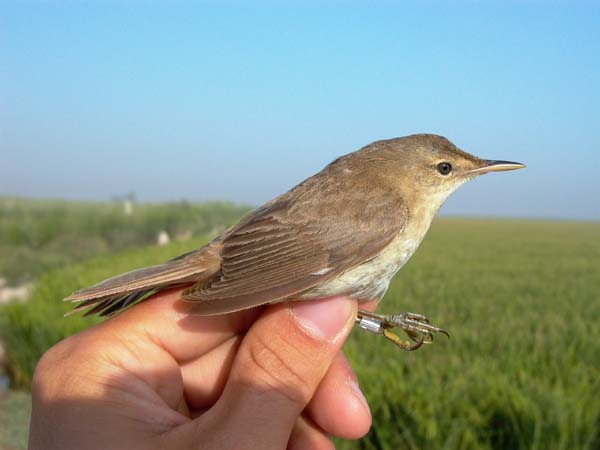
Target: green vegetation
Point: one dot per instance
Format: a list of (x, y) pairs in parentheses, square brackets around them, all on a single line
[(521, 370), (38, 235), (15, 409)]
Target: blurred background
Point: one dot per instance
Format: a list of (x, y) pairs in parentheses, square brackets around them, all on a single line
[(134, 131)]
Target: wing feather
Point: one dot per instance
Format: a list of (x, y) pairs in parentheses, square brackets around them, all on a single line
[(309, 235)]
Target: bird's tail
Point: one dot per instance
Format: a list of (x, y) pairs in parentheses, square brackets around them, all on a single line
[(117, 293)]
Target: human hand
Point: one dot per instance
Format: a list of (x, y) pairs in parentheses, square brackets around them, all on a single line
[(155, 377)]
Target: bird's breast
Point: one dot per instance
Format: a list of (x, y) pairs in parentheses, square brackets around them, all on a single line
[(370, 280)]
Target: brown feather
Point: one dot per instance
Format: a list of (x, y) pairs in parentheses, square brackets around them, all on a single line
[(301, 239), (117, 293)]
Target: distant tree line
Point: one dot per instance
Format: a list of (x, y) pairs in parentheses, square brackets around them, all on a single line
[(37, 235)]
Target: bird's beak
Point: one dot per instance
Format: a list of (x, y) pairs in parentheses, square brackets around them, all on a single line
[(495, 166)]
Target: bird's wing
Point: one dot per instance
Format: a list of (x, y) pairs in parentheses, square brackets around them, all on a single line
[(287, 248)]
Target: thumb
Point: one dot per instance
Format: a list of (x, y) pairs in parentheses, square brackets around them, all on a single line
[(278, 367)]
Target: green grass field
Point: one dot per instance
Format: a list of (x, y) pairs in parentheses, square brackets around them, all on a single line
[(521, 300), (522, 369), (38, 235)]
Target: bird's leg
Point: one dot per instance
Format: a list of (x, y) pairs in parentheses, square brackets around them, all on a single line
[(416, 326)]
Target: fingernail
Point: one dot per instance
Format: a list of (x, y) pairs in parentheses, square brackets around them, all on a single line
[(324, 319), (355, 388)]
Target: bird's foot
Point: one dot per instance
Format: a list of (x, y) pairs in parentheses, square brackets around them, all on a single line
[(416, 326)]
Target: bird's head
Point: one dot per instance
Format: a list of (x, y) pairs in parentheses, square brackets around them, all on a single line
[(426, 168)]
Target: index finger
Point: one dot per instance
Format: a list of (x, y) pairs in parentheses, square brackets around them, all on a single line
[(165, 319)]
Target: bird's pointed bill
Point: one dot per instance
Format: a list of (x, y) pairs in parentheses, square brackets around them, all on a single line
[(495, 166)]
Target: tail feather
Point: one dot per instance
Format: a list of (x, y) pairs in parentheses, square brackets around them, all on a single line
[(108, 306), (163, 274), (118, 293)]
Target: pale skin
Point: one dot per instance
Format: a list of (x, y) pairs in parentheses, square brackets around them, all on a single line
[(155, 377)]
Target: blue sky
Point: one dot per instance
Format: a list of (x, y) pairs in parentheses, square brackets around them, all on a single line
[(241, 100)]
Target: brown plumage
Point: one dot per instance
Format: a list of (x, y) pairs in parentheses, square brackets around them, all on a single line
[(345, 230)]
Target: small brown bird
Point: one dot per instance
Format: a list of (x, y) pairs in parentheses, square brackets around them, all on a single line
[(344, 231)]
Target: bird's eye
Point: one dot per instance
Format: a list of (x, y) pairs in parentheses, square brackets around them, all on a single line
[(444, 168)]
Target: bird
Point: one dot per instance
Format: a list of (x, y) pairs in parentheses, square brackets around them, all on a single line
[(346, 230)]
